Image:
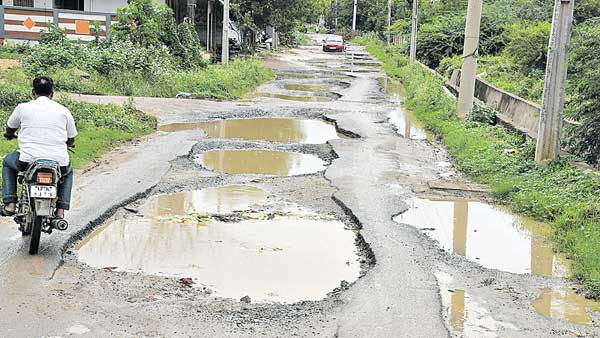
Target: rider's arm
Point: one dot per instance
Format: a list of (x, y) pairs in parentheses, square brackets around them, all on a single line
[(13, 124), (71, 143)]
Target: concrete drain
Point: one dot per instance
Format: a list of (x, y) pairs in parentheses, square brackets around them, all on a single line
[(263, 162), (487, 235), (270, 257), (263, 129)]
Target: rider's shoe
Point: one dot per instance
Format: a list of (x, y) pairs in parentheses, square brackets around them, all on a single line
[(6, 213)]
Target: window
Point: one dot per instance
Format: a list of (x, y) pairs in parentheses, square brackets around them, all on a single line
[(69, 4), (23, 3)]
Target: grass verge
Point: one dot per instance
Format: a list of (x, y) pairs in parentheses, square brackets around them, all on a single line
[(566, 198)]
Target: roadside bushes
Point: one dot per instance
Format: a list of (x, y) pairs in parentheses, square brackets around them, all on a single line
[(528, 45)]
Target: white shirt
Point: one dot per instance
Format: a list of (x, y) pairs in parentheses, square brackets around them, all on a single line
[(45, 127)]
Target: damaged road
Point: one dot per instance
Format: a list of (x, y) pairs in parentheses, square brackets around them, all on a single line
[(213, 227)]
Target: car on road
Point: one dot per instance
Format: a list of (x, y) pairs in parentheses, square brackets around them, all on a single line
[(334, 43)]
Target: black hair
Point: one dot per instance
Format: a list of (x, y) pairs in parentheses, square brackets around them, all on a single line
[(43, 86)]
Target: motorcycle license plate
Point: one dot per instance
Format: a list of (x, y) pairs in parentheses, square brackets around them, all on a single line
[(43, 191)]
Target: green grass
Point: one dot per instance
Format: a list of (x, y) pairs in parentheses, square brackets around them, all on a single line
[(566, 198), (230, 82)]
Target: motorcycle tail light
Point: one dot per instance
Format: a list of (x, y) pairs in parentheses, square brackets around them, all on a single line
[(44, 178)]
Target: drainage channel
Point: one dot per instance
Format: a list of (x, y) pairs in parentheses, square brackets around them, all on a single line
[(229, 240)]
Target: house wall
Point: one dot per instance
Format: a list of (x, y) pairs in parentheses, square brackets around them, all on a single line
[(102, 6)]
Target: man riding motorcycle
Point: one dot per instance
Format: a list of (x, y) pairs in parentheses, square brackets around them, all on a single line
[(47, 131)]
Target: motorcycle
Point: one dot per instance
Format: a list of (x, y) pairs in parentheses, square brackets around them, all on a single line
[(37, 204)]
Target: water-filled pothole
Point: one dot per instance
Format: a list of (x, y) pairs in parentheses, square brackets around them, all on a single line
[(466, 317), (314, 98), (487, 235), (564, 304), (266, 129), (263, 162), (306, 87), (404, 121), (281, 258)]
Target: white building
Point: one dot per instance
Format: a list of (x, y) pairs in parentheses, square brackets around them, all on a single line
[(102, 6)]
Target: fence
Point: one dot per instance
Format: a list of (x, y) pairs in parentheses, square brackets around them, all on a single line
[(24, 23)]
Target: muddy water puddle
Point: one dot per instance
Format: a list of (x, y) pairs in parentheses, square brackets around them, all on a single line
[(465, 316), (404, 121), (306, 87), (314, 98), (263, 162), (564, 304), (265, 129), (283, 259), (487, 235)]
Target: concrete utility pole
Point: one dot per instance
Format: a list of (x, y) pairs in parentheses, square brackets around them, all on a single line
[(553, 101), (337, 13), (389, 22), (225, 52), (468, 73), (354, 16), (413, 35), (209, 25)]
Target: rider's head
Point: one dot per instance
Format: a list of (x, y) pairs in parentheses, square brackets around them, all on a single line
[(43, 86)]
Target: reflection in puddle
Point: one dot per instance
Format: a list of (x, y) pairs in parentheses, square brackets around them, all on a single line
[(489, 236), (563, 303), (306, 88), (267, 129), (265, 162), (466, 317), (294, 98), (284, 260), (404, 121)]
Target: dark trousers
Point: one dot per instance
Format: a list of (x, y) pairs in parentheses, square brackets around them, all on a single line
[(11, 166)]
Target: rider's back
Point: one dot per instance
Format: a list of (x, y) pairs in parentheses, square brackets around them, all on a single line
[(45, 126)]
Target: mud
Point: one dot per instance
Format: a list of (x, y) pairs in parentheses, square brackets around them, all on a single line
[(262, 129), (487, 235), (264, 162)]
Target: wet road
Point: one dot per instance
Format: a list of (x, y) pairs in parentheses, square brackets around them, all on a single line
[(339, 175)]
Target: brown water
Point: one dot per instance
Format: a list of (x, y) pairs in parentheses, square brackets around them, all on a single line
[(306, 88), (487, 235), (404, 121), (293, 98), (287, 259), (563, 303), (466, 317), (265, 162), (267, 129)]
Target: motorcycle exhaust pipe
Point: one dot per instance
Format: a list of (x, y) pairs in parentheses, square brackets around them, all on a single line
[(60, 224)]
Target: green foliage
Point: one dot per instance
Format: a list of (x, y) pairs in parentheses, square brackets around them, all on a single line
[(566, 198), (528, 45), (584, 107)]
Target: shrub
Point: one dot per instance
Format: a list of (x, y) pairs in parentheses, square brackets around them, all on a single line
[(528, 45)]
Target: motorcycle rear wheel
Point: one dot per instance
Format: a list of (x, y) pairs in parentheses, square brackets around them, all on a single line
[(36, 234)]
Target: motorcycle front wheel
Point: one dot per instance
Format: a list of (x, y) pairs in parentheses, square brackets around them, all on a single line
[(36, 234)]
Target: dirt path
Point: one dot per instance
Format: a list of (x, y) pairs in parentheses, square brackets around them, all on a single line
[(409, 286)]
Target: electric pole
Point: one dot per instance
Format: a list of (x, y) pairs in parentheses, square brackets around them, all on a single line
[(389, 22), (413, 35), (468, 73), (354, 16), (553, 101), (337, 13), (225, 51)]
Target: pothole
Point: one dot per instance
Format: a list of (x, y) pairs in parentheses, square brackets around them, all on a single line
[(265, 129), (487, 235), (564, 304), (314, 98), (465, 316), (405, 122), (306, 87), (268, 256), (263, 162)]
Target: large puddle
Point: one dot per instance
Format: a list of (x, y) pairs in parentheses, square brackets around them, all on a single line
[(266, 129), (466, 317), (564, 304), (264, 162), (283, 259), (486, 235), (306, 87), (404, 121), (314, 98)]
